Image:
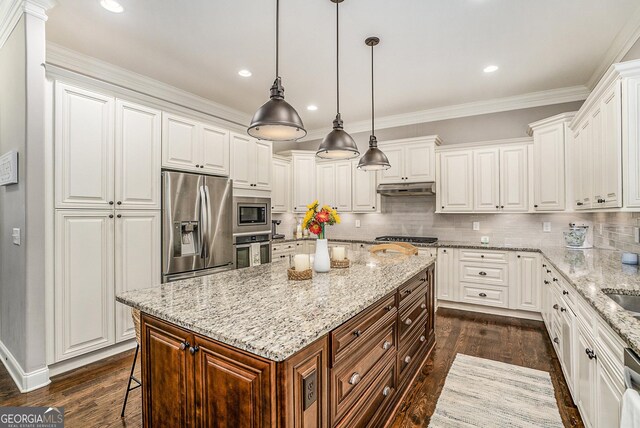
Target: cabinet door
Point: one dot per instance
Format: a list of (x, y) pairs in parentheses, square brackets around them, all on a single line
[(262, 180), (363, 195), (326, 184), (281, 186), (514, 179), (243, 161), (83, 148), (456, 181), (343, 186), (486, 183), (597, 153), (215, 150), (631, 154), (528, 293), (609, 392), (548, 168), (137, 260), (167, 375), (446, 275), (396, 173), (419, 162), (233, 389), (304, 182), (180, 143), (84, 292), (611, 154), (584, 152), (138, 157), (576, 168), (567, 328), (585, 379)]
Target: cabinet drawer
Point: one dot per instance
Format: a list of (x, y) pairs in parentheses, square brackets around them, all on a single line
[(485, 295), (351, 377), (413, 317), (484, 273), (350, 335), (375, 402), (289, 246), (480, 255), (409, 355), (412, 287)]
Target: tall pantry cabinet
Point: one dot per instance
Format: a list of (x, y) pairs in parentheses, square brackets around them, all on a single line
[(107, 215)]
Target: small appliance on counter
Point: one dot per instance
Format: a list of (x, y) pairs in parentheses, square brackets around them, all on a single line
[(274, 230), (578, 237)]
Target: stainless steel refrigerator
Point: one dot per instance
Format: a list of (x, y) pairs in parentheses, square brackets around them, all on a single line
[(197, 225)]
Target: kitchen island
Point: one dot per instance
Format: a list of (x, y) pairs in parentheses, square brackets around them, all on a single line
[(251, 348)]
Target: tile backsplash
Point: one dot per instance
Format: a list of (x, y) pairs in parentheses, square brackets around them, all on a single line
[(616, 230)]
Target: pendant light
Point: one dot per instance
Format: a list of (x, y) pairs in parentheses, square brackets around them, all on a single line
[(374, 159), (338, 144), (276, 120)]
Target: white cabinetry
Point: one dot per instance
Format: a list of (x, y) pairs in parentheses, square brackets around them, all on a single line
[(334, 184), (527, 285), (514, 179), (251, 162), (585, 378), (486, 183), (455, 181), (363, 194), (631, 141), (412, 160), (608, 163), (281, 191), (447, 274), (190, 145), (303, 165)]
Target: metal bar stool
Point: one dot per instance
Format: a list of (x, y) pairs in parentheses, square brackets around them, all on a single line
[(135, 314)]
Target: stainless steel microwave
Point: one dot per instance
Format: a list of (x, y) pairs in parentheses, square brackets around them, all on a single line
[(251, 215)]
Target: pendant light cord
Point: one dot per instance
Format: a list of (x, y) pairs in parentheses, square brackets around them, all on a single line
[(277, 37), (372, 97), (337, 58)]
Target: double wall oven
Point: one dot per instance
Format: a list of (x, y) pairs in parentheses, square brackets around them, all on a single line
[(251, 231)]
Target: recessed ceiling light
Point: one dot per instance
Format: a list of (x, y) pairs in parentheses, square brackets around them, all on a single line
[(312, 107), (244, 73), (490, 68), (112, 6)]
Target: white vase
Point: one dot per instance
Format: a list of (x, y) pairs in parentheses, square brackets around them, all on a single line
[(321, 262)]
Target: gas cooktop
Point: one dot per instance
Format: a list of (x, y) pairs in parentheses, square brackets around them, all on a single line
[(410, 239)]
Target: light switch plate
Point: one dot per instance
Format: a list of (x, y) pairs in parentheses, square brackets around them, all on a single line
[(357, 223), (546, 226), (476, 225), (16, 236)]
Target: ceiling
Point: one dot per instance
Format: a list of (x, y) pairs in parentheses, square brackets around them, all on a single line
[(432, 52)]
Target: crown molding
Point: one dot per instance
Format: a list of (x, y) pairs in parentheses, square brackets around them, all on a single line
[(76, 62), (12, 10), (624, 40), (497, 105), (485, 143), (558, 118)]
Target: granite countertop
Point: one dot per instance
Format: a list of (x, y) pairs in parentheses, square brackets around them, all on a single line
[(259, 310)]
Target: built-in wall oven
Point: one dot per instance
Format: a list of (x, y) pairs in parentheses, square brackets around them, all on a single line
[(251, 231)]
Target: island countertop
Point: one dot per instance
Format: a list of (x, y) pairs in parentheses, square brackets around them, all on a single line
[(259, 310)]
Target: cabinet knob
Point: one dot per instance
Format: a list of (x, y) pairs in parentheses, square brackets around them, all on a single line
[(422, 338), (555, 279), (501, 206), (423, 306), (386, 345), (354, 379), (546, 282), (388, 308), (601, 201), (565, 292), (193, 350), (555, 306), (119, 202), (119, 216), (544, 266), (409, 291), (373, 208), (563, 309), (184, 345), (407, 359), (497, 206), (443, 207), (386, 391), (198, 166), (519, 256), (535, 206), (110, 202), (110, 215), (201, 166), (482, 273), (408, 321), (548, 271), (357, 333), (482, 256), (579, 204), (482, 294), (555, 339), (590, 353)]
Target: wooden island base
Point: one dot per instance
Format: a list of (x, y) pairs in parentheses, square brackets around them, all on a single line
[(354, 376)]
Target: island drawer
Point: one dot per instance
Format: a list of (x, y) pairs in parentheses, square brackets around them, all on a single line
[(372, 407), (484, 255), (484, 273), (350, 335), (415, 285), (351, 377), (409, 354), (485, 295), (413, 317)]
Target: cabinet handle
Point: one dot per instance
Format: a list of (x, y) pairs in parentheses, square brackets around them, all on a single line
[(354, 379), (544, 266), (565, 292), (407, 359), (501, 206), (119, 202), (579, 204), (386, 391), (546, 282), (357, 333), (198, 166), (590, 354), (409, 291), (201, 166), (555, 339), (193, 350), (110, 202), (482, 273), (443, 207), (482, 256), (519, 256), (388, 308), (601, 201), (423, 306), (535, 206), (555, 306), (548, 271), (444, 251), (482, 294), (555, 279), (563, 309), (110, 215), (497, 206), (119, 216), (184, 345), (422, 338), (373, 208), (386, 345), (408, 321)]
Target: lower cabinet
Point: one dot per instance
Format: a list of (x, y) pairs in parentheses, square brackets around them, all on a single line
[(446, 274), (585, 396)]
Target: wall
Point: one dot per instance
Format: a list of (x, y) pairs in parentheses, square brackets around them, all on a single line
[(633, 53)]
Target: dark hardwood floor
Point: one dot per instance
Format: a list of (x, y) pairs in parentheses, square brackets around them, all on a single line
[(92, 395)]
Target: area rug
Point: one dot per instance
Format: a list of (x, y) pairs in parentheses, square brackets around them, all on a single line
[(484, 393)]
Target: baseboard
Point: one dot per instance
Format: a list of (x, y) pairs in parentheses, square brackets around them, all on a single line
[(92, 357), (24, 381), (490, 310)]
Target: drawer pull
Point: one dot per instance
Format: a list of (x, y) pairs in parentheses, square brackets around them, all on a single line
[(409, 291), (482, 256), (408, 321), (386, 391), (544, 266), (565, 292), (354, 379), (386, 345), (590, 353), (184, 345), (546, 282), (555, 306), (548, 271), (357, 333), (407, 359), (388, 308), (482, 273), (422, 338), (482, 294), (423, 306), (555, 279), (563, 309), (555, 339)]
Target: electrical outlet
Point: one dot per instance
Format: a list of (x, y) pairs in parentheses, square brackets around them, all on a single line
[(16, 236), (357, 223), (546, 226), (476, 225)]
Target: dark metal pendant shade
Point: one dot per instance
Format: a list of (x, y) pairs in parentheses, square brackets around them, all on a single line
[(338, 144)]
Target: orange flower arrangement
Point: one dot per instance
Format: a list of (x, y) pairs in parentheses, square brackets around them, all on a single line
[(317, 218)]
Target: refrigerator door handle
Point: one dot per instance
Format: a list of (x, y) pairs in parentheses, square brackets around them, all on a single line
[(209, 220), (203, 223)]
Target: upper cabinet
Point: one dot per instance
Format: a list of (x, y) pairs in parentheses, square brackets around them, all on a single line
[(514, 179), (189, 145), (364, 197), (334, 184), (250, 162), (303, 177), (455, 181), (281, 185), (551, 140), (412, 160)]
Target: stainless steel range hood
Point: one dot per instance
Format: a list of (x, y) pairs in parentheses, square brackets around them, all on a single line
[(408, 189)]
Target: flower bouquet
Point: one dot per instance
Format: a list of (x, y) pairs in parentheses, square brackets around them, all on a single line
[(316, 221)]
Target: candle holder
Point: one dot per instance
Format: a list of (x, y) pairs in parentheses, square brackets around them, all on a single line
[(340, 258), (296, 275), (340, 264)]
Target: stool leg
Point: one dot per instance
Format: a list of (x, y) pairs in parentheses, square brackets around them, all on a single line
[(126, 395)]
